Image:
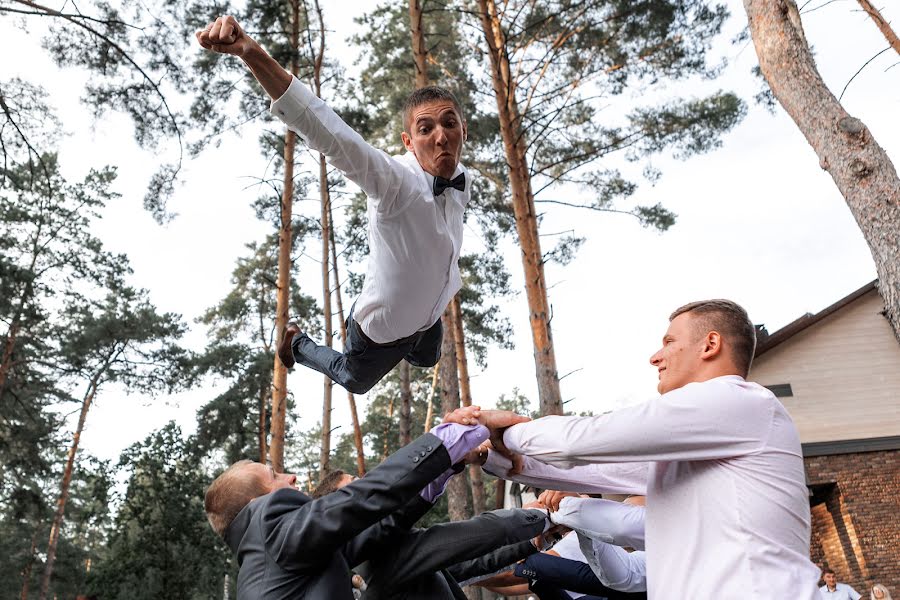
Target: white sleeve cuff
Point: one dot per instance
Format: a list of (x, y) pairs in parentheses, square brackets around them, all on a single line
[(293, 102)]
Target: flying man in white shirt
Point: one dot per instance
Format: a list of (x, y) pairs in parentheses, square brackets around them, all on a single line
[(718, 458), (415, 209)]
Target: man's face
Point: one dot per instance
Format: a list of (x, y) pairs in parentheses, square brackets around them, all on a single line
[(436, 135), (830, 579), (346, 479), (679, 359), (271, 480)]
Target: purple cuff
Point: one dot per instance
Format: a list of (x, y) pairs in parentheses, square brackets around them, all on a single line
[(459, 440), (436, 488)]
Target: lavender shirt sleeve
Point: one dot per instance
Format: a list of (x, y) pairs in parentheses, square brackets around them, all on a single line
[(458, 440)]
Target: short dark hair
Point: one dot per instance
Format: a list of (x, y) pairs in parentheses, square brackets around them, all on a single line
[(229, 493), (729, 319), (328, 484), (424, 95), (828, 571)]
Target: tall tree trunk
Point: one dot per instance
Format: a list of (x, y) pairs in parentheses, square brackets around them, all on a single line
[(429, 413), (26, 572), (465, 395), (405, 404), (386, 449), (457, 494), (883, 26), (8, 347), (420, 52), (261, 434), (325, 455), (64, 487), (514, 144), (860, 168), (500, 494), (282, 299), (325, 196), (354, 415)]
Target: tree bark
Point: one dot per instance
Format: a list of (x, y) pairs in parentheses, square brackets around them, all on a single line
[(860, 168), (8, 347), (64, 487), (429, 413), (500, 494), (457, 494), (26, 572), (325, 197), (405, 404), (465, 396), (514, 144), (282, 299), (262, 424), (325, 455), (354, 415), (883, 26), (420, 52)]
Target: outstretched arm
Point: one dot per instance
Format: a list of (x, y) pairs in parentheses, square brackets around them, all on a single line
[(387, 182), (226, 36)]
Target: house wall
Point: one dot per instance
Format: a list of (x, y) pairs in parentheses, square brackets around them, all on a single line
[(856, 526), (844, 372)]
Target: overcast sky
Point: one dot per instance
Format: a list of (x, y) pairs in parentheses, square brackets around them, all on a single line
[(758, 222)]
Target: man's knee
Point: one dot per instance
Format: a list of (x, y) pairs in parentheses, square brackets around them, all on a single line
[(357, 387)]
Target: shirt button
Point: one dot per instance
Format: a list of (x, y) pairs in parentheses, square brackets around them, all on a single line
[(415, 459), (423, 454), (428, 448)]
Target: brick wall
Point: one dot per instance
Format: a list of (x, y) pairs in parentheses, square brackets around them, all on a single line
[(856, 521)]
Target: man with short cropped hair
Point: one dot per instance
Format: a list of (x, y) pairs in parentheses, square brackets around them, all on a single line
[(291, 546), (415, 212), (832, 590), (717, 456)]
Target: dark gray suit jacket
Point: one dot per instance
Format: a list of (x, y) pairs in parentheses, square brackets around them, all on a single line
[(426, 563), (290, 546)]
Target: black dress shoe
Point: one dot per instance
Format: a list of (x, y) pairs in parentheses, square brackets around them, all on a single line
[(285, 353)]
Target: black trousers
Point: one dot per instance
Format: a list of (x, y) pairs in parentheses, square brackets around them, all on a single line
[(363, 363)]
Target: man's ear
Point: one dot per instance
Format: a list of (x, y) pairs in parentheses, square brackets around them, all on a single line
[(712, 345), (407, 141)]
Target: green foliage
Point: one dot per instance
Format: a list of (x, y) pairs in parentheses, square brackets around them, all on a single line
[(241, 350), (161, 545), (122, 338)]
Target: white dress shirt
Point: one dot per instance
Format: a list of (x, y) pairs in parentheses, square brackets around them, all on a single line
[(727, 511), (615, 523), (615, 567), (842, 591), (414, 241)]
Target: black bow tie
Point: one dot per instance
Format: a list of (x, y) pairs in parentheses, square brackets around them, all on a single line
[(441, 184)]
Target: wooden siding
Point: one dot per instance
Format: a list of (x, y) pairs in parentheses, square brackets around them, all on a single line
[(844, 372)]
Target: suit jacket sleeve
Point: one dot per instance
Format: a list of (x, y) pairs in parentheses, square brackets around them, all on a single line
[(492, 562), (425, 551), (569, 575), (303, 538), (373, 540)]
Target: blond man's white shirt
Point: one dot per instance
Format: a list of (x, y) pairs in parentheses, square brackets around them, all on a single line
[(720, 462)]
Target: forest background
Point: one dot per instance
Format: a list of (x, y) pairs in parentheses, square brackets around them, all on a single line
[(167, 296)]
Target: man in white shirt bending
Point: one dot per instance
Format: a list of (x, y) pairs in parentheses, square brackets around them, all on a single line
[(415, 210), (718, 457), (832, 590)]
